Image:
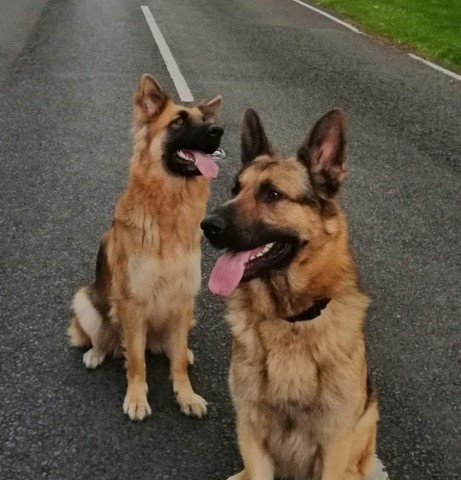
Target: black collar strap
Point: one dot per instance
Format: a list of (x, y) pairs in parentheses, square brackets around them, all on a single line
[(313, 312)]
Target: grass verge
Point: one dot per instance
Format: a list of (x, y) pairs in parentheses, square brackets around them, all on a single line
[(432, 27)]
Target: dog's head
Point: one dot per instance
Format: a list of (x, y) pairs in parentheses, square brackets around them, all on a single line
[(182, 137), (284, 215)]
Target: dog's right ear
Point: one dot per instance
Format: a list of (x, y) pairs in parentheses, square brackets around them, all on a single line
[(254, 141), (324, 153), (150, 97)]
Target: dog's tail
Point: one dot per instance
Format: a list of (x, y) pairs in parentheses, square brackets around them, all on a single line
[(86, 324)]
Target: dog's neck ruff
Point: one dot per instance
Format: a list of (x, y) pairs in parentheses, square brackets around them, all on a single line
[(311, 313)]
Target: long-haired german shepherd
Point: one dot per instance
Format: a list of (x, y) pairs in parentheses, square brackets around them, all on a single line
[(148, 264), (299, 380)]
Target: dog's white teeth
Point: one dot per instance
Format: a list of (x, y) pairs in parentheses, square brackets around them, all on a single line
[(267, 248), (260, 254), (183, 155), (252, 258)]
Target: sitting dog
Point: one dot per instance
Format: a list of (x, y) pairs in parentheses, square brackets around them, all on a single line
[(148, 264), (299, 380)]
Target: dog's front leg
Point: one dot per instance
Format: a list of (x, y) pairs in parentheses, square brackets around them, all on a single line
[(134, 332), (258, 465), (180, 357)]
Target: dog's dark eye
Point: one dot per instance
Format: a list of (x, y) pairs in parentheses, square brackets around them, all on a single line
[(268, 193), (273, 195), (179, 121)]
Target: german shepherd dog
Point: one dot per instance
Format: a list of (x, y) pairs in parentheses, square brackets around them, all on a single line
[(148, 264), (299, 380)]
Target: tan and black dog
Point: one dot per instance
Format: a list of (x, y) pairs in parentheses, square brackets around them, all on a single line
[(148, 265), (299, 379)]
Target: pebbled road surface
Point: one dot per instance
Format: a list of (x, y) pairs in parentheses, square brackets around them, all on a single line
[(68, 70)]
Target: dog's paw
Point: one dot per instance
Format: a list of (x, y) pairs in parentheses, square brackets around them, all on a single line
[(193, 404), (190, 357), (136, 405), (238, 476), (92, 358)]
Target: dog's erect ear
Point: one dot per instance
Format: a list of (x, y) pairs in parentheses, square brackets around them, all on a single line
[(211, 108), (254, 141), (324, 153), (150, 97)]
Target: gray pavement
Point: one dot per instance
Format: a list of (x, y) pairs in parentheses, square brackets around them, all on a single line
[(65, 111)]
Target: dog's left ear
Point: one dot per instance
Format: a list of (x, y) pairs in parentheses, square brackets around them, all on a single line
[(253, 138), (150, 98), (211, 108), (324, 153)]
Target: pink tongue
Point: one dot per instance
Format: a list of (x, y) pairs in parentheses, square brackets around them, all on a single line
[(228, 271), (206, 165)]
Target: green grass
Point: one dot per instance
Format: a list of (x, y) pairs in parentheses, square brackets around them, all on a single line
[(432, 27)]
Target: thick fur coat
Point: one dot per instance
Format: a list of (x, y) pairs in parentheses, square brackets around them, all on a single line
[(148, 266)]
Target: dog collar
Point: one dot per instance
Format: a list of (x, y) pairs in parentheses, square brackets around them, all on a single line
[(311, 313)]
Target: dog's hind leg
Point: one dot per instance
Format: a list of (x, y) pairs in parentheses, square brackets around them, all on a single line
[(190, 353), (190, 357), (156, 346), (239, 476), (362, 460), (90, 325), (77, 336), (352, 456)]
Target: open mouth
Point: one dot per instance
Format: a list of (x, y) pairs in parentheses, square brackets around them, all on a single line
[(235, 267), (196, 161)]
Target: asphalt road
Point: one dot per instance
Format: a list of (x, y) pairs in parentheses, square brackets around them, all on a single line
[(67, 75)]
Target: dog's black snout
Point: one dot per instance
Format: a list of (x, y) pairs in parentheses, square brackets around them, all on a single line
[(215, 131), (213, 225)]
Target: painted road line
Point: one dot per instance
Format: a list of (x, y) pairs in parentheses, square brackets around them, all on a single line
[(331, 17), (179, 81), (436, 67)]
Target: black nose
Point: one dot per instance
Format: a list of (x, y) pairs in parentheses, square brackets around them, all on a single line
[(215, 131), (213, 225)]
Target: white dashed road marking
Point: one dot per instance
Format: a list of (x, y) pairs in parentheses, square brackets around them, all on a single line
[(179, 81)]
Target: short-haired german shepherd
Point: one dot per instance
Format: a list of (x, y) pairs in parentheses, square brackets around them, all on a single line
[(148, 264), (299, 380)]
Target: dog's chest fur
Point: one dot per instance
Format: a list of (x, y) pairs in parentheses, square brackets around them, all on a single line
[(163, 284), (294, 384), (156, 240)]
